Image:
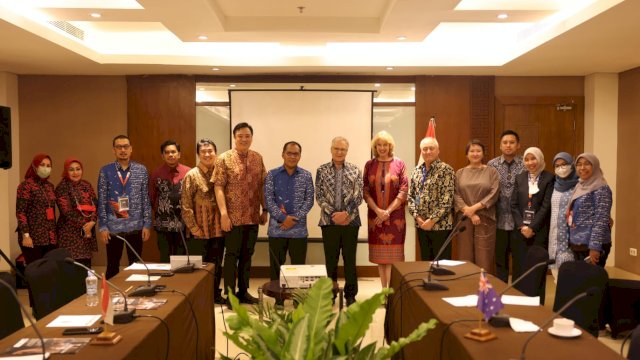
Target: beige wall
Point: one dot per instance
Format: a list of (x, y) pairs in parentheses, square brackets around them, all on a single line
[(601, 132), (9, 179), (72, 116), (628, 173)]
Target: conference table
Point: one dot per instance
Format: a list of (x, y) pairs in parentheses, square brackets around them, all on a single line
[(146, 337), (410, 306)]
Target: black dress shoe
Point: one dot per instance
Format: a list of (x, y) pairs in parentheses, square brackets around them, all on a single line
[(246, 298), (350, 300), (280, 303), (218, 299)]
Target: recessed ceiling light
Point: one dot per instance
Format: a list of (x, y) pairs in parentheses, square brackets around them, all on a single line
[(413, 88), (376, 85), (203, 37), (502, 16), (96, 15), (401, 37), (389, 67), (232, 85), (215, 69), (201, 89)]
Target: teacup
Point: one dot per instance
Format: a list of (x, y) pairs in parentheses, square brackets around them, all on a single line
[(563, 326)]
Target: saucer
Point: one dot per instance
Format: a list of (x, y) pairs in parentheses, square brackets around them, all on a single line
[(575, 332)]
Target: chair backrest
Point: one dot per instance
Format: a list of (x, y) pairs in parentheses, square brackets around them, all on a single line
[(53, 283), (575, 277), (531, 284), (634, 346), (10, 315)]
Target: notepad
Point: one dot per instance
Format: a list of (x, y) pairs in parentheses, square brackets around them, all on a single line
[(66, 321), (142, 277)]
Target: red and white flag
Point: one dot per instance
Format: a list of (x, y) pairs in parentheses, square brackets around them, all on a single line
[(107, 305), (431, 130)]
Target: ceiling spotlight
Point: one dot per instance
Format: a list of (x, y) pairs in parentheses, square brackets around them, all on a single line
[(502, 16), (389, 67), (203, 37), (401, 37), (413, 88), (232, 85), (215, 69), (200, 89), (376, 85), (96, 15)]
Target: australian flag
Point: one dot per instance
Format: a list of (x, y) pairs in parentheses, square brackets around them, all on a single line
[(489, 302)]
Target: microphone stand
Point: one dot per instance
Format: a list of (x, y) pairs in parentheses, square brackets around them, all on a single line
[(188, 267), (590, 292), (502, 320), (122, 317), (26, 314), (433, 285), (437, 270), (142, 290)]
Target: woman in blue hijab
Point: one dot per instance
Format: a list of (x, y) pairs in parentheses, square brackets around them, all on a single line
[(566, 180)]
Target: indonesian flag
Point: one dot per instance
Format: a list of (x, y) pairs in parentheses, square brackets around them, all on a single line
[(431, 130), (107, 306)]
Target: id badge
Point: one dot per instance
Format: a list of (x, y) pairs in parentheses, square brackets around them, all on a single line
[(123, 203), (527, 217), (50, 214)]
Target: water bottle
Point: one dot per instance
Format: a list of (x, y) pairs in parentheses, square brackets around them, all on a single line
[(92, 289)]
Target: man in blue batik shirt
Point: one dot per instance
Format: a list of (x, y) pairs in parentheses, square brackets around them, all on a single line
[(288, 193), (124, 208)]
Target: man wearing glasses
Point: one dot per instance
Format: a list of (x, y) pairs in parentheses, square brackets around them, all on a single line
[(339, 194), (288, 194), (123, 204)]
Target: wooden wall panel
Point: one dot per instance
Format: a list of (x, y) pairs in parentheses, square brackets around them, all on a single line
[(482, 112), (161, 108), (627, 196)]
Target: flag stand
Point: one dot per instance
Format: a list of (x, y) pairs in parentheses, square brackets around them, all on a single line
[(107, 337), (480, 333), (487, 309)]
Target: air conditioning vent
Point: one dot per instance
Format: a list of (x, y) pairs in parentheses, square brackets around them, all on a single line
[(68, 28)]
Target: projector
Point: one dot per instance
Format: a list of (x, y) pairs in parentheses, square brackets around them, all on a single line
[(301, 276)]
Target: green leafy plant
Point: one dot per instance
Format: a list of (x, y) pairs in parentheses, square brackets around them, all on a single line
[(309, 331)]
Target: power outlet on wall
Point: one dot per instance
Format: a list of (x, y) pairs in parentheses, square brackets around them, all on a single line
[(633, 251)]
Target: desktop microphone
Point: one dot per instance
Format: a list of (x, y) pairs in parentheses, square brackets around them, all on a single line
[(431, 285), (188, 267), (142, 290), (26, 314), (437, 270), (590, 292), (122, 317), (502, 320)]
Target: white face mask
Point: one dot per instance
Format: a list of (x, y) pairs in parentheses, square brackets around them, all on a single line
[(563, 171), (43, 172)]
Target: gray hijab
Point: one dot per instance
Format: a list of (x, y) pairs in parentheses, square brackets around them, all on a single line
[(593, 183)]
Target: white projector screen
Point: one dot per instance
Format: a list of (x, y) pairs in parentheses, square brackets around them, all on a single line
[(313, 119)]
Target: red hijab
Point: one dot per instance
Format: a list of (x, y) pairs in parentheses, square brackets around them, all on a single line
[(31, 171), (67, 165)]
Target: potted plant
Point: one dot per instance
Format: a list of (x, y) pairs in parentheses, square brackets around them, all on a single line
[(309, 332)]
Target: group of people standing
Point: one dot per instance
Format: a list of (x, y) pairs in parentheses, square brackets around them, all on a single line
[(507, 205)]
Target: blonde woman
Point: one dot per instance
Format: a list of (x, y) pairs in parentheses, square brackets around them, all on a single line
[(385, 191)]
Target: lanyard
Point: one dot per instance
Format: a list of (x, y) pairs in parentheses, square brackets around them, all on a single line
[(46, 197), (123, 181)]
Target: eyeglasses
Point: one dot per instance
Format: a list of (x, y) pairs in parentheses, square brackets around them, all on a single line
[(122, 147)]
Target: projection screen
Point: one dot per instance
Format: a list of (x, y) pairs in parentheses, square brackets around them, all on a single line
[(312, 118)]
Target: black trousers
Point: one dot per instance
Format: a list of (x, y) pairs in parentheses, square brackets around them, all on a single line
[(37, 252), (503, 250), (169, 243), (114, 251), (604, 254), (278, 248), (240, 244), (431, 242), (345, 238), (215, 254)]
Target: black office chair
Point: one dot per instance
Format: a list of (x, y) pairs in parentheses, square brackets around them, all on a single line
[(53, 283), (575, 277), (10, 315), (622, 305), (634, 346), (534, 284)]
